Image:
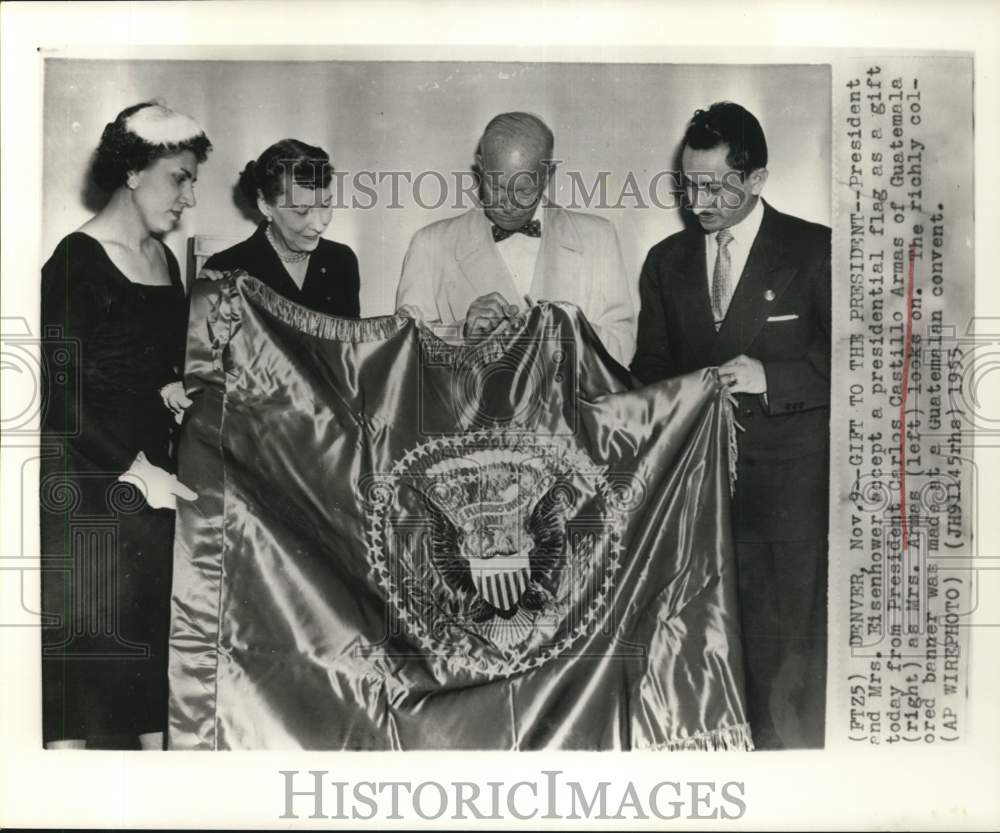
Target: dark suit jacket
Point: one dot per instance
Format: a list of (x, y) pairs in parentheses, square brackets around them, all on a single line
[(332, 284), (780, 315)]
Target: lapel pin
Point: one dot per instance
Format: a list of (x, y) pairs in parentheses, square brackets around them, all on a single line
[(322, 270), (769, 295)]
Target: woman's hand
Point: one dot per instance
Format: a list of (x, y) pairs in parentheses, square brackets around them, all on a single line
[(160, 488), (176, 399)]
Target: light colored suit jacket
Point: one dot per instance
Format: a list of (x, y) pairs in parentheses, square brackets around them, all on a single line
[(452, 262)]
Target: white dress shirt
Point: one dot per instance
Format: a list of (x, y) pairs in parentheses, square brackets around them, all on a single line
[(744, 233), (519, 253)]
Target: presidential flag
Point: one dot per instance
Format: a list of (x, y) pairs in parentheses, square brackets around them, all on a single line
[(403, 541)]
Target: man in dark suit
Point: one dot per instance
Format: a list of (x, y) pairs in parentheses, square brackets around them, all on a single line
[(747, 290)]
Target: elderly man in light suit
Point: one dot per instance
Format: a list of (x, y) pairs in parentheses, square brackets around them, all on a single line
[(485, 265)]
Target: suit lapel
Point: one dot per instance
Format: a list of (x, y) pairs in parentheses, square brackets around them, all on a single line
[(560, 258), (765, 277), (480, 261), (692, 295)]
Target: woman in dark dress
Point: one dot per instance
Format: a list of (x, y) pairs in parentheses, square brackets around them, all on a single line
[(290, 186), (114, 317)]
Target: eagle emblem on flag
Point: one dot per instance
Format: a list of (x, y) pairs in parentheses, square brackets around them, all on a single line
[(491, 554), (495, 511)]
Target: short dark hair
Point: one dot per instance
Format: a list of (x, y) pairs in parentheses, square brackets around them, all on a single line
[(286, 161), (122, 150), (730, 124)]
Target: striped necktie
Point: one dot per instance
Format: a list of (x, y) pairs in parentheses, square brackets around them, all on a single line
[(722, 289)]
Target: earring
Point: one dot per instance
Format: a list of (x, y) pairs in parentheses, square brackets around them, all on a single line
[(132, 182)]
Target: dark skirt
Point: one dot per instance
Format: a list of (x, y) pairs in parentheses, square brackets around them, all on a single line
[(106, 600)]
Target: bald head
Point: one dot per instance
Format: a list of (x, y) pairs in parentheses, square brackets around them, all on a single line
[(512, 162), (517, 134)]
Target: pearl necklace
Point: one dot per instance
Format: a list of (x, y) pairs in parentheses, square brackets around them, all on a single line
[(294, 257)]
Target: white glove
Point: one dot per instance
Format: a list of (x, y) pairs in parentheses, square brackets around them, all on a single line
[(411, 311), (176, 399), (160, 488)]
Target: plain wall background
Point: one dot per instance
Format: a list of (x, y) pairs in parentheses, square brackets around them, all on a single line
[(415, 116)]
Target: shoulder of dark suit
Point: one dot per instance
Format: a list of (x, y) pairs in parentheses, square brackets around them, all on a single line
[(332, 250), (795, 231), (236, 256)]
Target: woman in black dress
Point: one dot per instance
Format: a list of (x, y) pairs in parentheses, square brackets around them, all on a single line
[(290, 186), (114, 317)]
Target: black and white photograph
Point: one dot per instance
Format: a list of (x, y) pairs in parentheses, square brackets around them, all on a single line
[(344, 618), (445, 402)]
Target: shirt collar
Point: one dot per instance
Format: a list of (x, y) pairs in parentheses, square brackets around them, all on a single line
[(745, 231)]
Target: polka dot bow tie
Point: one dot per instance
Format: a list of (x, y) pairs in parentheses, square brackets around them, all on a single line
[(532, 228)]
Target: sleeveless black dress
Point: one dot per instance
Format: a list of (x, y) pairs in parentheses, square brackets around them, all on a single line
[(108, 345)]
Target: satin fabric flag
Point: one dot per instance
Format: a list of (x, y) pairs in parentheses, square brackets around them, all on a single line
[(403, 543)]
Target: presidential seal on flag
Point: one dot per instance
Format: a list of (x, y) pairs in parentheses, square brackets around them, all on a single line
[(496, 534)]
